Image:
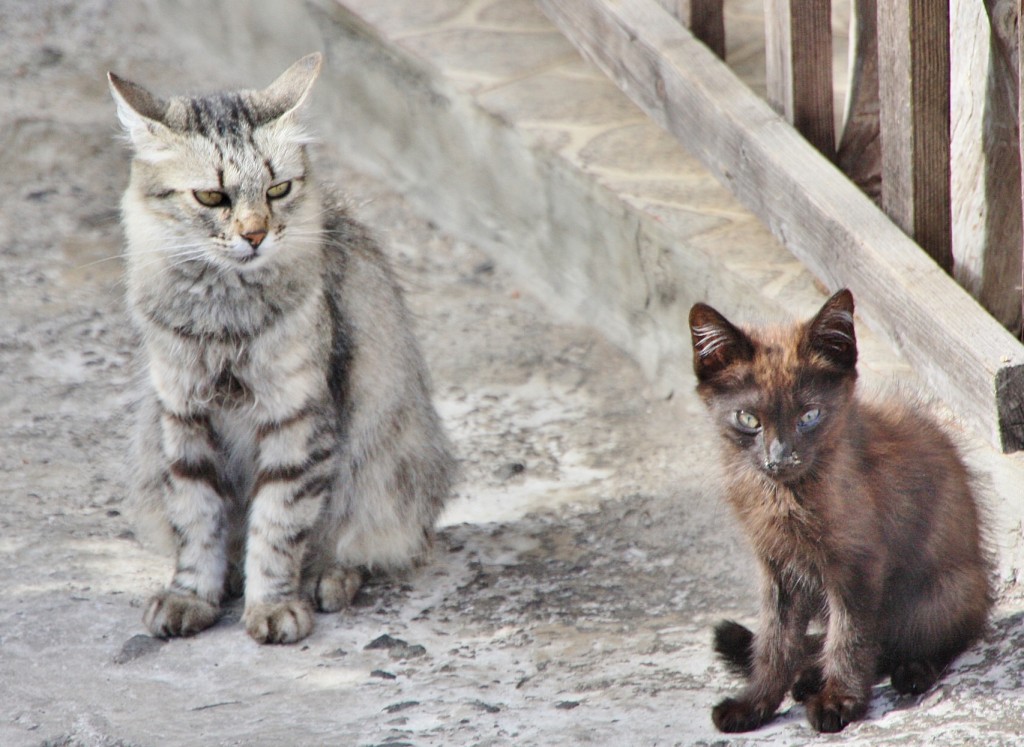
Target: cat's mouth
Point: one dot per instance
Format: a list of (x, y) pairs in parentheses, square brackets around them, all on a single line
[(783, 468), (251, 251), (247, 258)]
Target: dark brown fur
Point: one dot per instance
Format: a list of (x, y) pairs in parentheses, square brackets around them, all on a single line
[(862, 517)]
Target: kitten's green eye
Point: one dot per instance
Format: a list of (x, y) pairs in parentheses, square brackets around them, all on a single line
[(809, 419), (747, 421), (279, 190), (211, 198)]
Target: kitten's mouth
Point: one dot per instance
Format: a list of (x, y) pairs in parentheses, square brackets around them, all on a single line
[(783, 470)]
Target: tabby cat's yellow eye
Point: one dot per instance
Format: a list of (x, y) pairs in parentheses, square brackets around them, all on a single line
[(747, 421), (210, 197), (279, 190)]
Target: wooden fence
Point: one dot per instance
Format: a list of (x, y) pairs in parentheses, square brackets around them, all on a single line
[(820, 194), (898, 124)]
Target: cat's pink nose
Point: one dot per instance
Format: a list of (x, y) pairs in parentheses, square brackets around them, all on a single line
[(255, 238)]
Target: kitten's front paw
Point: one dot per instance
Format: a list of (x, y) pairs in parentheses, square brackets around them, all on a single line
[(279, 622), (336, 588), (174, 613), (732, 715), (832, 709)]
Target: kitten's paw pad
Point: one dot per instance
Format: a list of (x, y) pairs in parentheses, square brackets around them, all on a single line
[(807, 684), (173, 613), (733, 716), (830, 711), (914, 677), (279, 622), (336, 588)]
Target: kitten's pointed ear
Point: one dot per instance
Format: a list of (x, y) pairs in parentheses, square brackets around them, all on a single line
[(289, 91), (831, 335), (141, 113), (717, 344)]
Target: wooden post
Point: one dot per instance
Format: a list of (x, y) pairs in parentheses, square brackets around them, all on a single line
[(798, 49), (704, 18), (913, 61), (860, 150)]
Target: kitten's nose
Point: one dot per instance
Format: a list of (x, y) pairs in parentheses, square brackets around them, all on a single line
[(780, 455), (255, 238)]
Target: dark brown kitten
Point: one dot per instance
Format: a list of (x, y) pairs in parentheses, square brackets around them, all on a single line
[(862, 516)]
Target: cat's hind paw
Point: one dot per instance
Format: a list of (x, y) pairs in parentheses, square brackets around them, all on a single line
[(914, 677), (173, 613), (809, 683), (336, 588), (279, 622)]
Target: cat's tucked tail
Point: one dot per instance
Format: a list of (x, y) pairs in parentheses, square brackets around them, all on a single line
[(735, 645)]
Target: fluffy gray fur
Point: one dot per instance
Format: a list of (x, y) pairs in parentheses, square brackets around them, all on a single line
[(286, 439)]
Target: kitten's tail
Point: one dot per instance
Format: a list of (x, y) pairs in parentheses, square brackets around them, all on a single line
[(735, 645)]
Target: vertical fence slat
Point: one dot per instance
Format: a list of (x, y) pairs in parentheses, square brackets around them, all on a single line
[(704, 18), (798, 49), (913, 62), (1020, 131), (988, 252), (859, 155)]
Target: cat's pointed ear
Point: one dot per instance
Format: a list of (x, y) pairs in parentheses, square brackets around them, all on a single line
[(717, 343), (142, 116), (830, 334), (290, 90)]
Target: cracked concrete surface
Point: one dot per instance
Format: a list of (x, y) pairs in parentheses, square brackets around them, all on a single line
[(580, 564)]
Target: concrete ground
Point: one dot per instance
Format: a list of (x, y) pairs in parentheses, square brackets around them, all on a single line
[(583, 559)]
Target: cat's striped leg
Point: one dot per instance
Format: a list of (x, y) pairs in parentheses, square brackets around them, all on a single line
[(297, 467), (196, 506)]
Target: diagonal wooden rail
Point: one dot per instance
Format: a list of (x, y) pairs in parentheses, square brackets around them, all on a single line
[(815, 211)]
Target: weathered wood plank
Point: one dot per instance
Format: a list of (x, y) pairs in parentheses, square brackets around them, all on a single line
[(704, 18), (913, 87), (798, 54), (971, 361)]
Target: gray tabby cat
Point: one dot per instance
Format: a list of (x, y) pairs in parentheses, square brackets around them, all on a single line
[(286, 438)]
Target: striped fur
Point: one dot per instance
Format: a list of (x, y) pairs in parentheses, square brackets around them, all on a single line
[(286, 439)]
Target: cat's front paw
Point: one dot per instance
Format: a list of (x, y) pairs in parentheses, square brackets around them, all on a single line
[(173, 613), (732, 715), (832, 709), (279, 622)]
